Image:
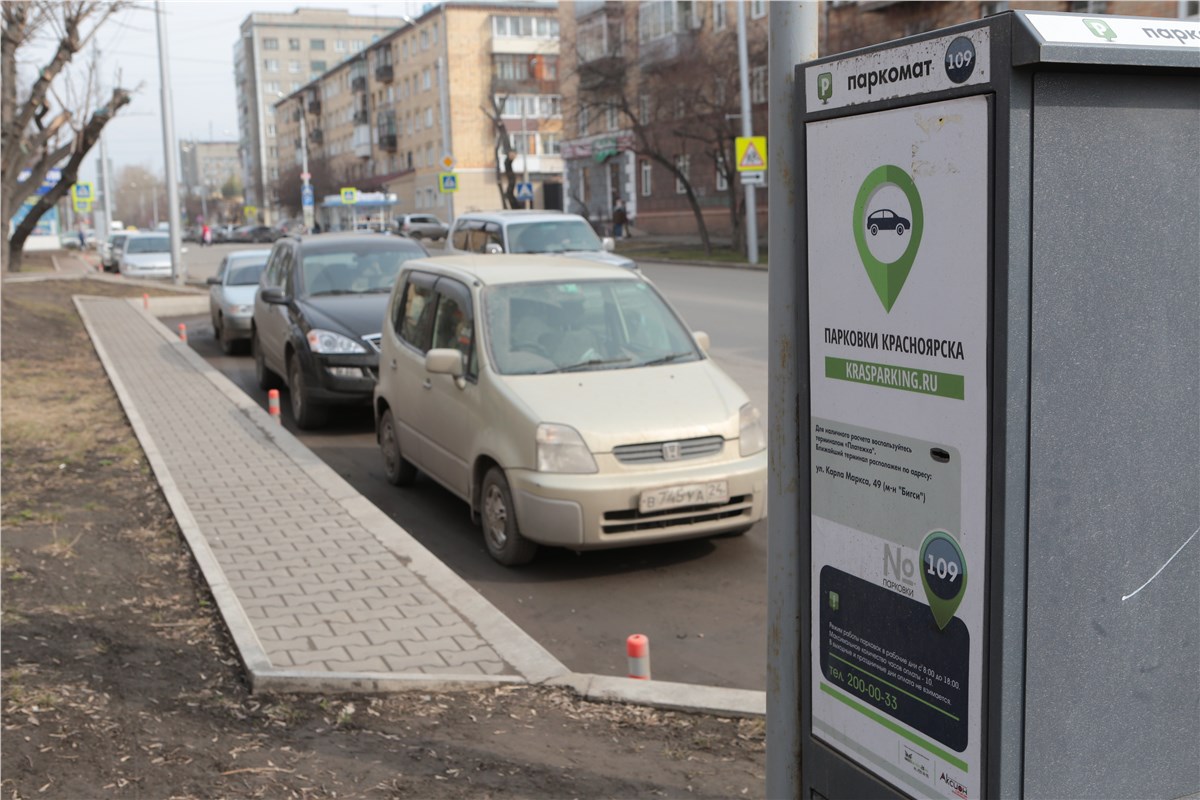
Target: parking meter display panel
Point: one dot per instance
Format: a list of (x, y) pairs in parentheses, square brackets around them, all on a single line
[(898, 313)]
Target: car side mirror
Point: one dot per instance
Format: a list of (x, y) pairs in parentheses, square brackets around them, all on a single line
[(446, 361), (274, 296), (492, 249), (213, 280), (702, 340), (608, 244)]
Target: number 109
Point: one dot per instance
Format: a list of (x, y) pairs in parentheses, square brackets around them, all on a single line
[(942, 568)]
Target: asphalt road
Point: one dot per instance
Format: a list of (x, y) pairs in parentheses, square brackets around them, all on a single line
[(701, 603)]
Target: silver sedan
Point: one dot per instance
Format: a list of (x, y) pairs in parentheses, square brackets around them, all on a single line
[(231, 296)]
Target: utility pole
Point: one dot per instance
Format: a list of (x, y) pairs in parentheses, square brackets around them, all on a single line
[(304, 174), (444, 93), (747, 131), (178, 271), (793, 40), (109, 191), (525, 144)]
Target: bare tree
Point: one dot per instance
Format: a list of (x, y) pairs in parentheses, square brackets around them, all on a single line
[(508, 183), (685, 103), (41, 129)]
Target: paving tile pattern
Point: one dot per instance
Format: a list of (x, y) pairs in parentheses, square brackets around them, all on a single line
[(321, 591)]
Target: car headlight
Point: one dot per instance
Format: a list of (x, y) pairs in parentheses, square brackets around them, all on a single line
[(247, 310), (320, 341), (560, 448), (751, 436)]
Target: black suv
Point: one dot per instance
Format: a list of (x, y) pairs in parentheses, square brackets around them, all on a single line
[(318, 315)]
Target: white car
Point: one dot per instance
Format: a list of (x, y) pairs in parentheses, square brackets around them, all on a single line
[(231, 296), (566, 402), (146, 255), (551, 232)]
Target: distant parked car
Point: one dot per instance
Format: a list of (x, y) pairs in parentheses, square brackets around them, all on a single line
[(532, 232), (146, 255), (231, 296), (887, 220), (421, 226), (262, 234), (318, 315), (110, 253), (223, 233)]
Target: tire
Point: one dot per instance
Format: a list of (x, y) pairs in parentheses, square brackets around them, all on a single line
[(899, 230), (267, 379), (398, 470), (874, 229), (307, 414), (499, 522), (228, 345)]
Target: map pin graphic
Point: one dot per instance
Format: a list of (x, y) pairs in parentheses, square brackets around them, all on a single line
[(888, 277), (944, 575)]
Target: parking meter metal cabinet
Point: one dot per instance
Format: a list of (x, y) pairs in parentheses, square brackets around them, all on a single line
[(1000, 304)]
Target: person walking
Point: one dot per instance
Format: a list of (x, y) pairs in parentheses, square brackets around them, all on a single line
[(206, 236), (620, 219)]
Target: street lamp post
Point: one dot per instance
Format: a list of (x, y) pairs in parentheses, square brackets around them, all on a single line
[(305, 176)]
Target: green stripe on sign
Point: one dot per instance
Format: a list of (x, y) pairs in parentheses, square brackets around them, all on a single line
[(889, 376), (894, 728)]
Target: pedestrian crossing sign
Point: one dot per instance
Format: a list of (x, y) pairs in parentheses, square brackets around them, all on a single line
[(447, 182), (751, 152), (349, 195)]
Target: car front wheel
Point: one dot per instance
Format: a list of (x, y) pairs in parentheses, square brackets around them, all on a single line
[(308, 415), (499, 520), (900, 230), (874, 229)]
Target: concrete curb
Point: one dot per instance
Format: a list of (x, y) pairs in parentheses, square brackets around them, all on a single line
[(535, 664), (707, 264)]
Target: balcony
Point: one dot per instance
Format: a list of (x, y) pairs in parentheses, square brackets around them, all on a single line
[(358, 83), (387, 141), (664, 50), (362, 141), (317, 136), (362, 116), (384, 73), (314, 106)]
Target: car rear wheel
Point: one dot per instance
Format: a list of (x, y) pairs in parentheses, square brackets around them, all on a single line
[(267, 379), (398, 469), (308, 415), (499, 520)]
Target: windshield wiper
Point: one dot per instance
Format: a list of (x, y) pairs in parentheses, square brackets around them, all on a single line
[(667, 359), (593, 362)]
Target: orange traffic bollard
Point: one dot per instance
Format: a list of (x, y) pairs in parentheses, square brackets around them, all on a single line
[(182, 332), (145, 301), (273, 405), (637, 647)]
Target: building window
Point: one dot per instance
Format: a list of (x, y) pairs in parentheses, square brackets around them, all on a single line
[(758, 85), (316, 44), (434, 33), (429, 118), (611, 118), (551, 144), (271, 86), (722, 182), (1087, 7), (295, 86), (356, 46), (647, 171), (584, 120), (270, 129), (424, 40), (510, 67), (270, 43), (293, 44), (340, 46), (644, 109), (683, 166), (293, 66), (426, 79), (273, 151), (525, 26), (758, 9), (317, 66), (659, 18), (720, 15), (271, 64)]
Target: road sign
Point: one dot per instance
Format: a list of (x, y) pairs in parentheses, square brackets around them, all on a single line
[(250, 212), (349, 195), (525, 192), (82, 206), (751, 153), (754, 178), (447, 182), (306, 196), (448, 162), (82, 191)]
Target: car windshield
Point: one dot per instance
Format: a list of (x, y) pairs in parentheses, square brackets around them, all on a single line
[(245, 271), (552, 236), (539, 328), (367, 266), (148, 244)]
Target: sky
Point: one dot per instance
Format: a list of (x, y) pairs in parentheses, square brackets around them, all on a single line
[(200, 36)]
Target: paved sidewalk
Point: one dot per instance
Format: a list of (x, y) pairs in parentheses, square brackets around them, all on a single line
[(321, 591)]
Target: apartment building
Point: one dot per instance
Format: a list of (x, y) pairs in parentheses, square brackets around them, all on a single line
[(275, 54), (206, 166), (385, 119)]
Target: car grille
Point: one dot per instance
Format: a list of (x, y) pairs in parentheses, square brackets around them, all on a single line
[(374, 339), (654, 452), (630, 520)]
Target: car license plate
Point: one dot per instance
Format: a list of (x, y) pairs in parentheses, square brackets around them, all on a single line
[(688, 494)]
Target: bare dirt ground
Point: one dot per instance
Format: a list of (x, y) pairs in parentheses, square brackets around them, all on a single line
[(119, 679)]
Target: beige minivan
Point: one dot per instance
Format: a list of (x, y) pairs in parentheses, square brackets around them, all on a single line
[(566, 402)]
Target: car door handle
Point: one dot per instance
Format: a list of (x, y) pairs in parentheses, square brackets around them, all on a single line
[(393, 363), (428, 384)]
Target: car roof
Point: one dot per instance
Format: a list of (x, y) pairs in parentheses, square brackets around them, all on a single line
[(519, 215), (259, 251), (502, 268), (351, 238), (147, 234)]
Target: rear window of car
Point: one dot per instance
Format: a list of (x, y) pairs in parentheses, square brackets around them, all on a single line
[(148, 244), (366, 266), (553, 236)]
